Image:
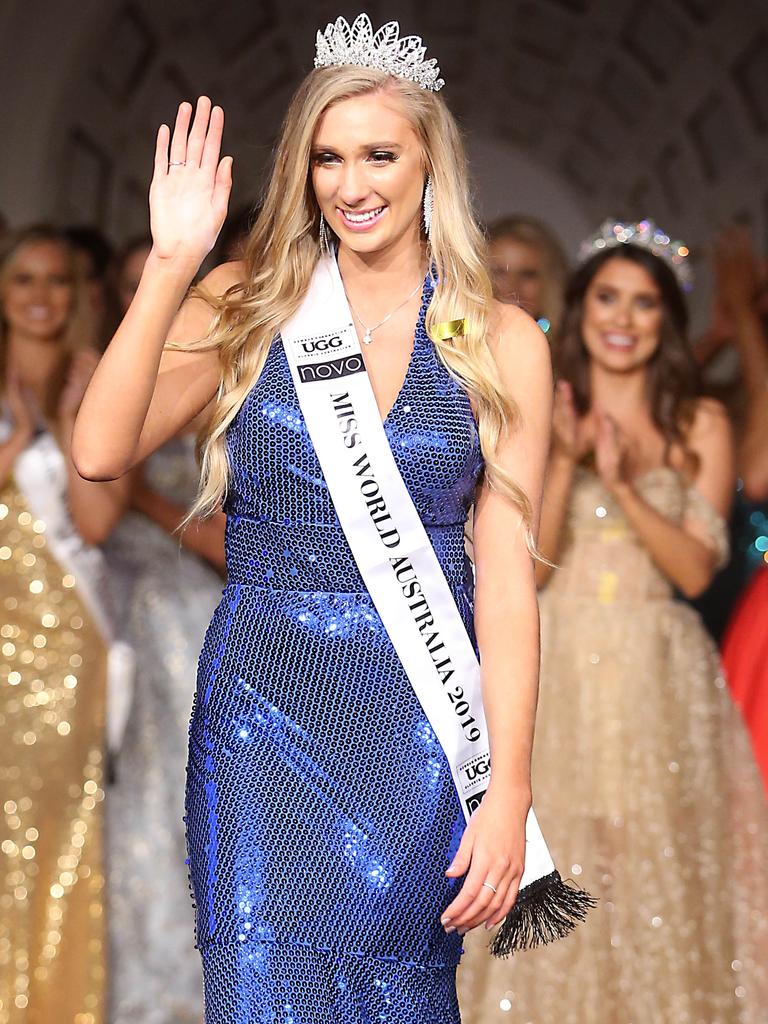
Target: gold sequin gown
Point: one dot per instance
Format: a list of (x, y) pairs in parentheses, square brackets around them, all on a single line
[(52, 710), (165, 596), (647, 792)]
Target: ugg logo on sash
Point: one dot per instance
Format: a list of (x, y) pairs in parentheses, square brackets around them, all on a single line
[(327, 369), (405, 580), (321, 344), (476, 768)]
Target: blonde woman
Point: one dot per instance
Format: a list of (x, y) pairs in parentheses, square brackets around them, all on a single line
[(56, 642), (528, 267), (367, 387)]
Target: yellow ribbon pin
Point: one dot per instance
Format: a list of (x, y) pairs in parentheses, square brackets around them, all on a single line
[(449, 329)]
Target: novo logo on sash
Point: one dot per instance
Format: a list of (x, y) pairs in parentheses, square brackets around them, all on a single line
[(331, 369), (328, 370), (474, 801)]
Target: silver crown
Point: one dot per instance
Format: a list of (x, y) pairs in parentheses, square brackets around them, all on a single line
[(647, 235), (343, 44)]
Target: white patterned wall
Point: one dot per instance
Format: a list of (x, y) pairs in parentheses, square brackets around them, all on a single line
[(574, 108)]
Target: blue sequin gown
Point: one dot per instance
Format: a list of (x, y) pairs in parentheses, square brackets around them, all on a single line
[(321, 813)]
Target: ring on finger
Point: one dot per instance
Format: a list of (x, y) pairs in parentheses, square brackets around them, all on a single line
[(490, 886), (177, 163)]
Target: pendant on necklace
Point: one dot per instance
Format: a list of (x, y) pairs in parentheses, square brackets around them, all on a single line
[(367, 339)]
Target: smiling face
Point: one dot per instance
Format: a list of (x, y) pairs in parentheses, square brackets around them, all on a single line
[(38, 293), (517, 271), (368, 172), (622, 316)]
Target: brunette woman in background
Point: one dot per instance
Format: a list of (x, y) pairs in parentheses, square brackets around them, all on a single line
[(641, 761)]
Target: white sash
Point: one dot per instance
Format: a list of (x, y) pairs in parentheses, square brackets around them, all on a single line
[(40, 475), (389, 542)]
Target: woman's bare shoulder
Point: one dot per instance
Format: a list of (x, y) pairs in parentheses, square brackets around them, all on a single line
[(196, 316), (709, 422), (708, 441), (223, 277), (518, 344)]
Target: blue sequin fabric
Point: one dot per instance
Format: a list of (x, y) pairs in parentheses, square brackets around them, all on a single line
[(321, 813)]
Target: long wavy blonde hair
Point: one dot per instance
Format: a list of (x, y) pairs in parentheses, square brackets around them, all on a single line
[(283, 250)]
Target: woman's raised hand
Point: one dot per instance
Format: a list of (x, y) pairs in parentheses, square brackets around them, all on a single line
[(190, 188), (737, 271)]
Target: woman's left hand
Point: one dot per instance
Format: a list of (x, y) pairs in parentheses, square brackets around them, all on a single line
[(492, 850)]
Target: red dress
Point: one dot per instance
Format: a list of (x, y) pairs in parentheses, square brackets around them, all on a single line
[(745, 658)]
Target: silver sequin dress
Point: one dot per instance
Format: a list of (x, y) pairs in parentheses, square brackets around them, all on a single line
[(166, 596)]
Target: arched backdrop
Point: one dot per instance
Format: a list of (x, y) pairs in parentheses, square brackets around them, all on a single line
[(573, 109)]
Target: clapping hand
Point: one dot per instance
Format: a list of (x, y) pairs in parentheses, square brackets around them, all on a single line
[(21, 405), (610, 450), (569, 435), (736, 270), (190, 188), (740, 287)]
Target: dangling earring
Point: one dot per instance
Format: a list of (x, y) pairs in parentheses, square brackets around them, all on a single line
[(325, 242), (429, 203)]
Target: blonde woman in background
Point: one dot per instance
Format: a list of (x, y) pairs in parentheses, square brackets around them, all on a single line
[(528, 267), (56, 632)]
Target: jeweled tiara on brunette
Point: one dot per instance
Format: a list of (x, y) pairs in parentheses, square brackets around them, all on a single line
[(357, 45), (647, 235)]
